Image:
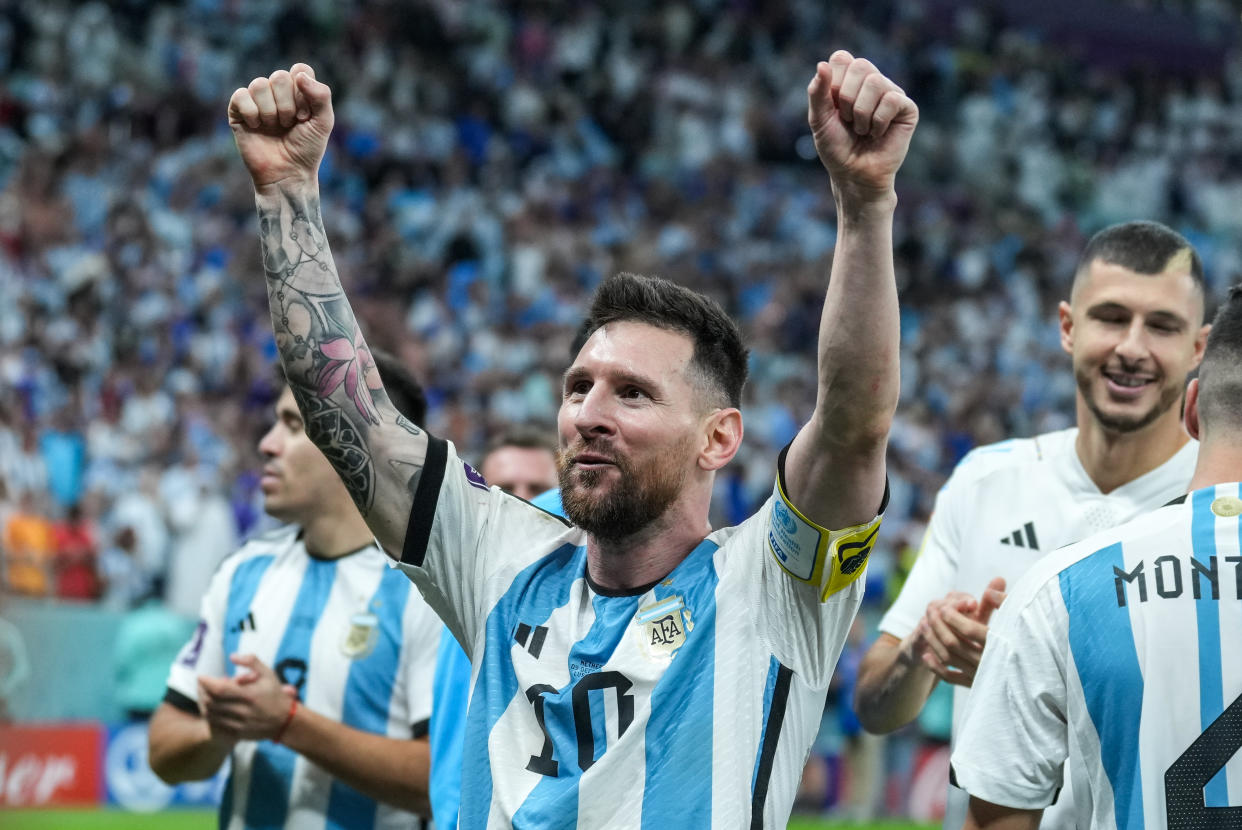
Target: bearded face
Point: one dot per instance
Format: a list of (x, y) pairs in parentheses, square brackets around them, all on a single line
[(615, 498)]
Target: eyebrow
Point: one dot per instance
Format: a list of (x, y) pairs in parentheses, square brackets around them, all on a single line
[(576, 373), (1160, 314)]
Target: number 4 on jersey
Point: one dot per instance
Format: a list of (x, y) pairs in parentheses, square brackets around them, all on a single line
[(1185, 779)]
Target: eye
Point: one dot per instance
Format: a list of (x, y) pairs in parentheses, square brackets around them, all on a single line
[(633, 393), (577, 387)]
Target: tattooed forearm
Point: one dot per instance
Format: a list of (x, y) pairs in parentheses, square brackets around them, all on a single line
[(331, 430), (327, 361)]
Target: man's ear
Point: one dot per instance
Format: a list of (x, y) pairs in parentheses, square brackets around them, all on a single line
[(1201, 342), (1066, 317), (1190, 416), (722, 435)]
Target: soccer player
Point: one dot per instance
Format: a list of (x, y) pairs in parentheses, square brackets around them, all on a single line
[(521, 461), (1121, 652), (312, 662), (1134, 329), (633, 665)]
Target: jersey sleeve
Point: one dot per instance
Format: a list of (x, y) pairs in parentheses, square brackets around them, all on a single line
[(203, 655), (464, 538), (809, 581), (1014, 741), (935, 569)]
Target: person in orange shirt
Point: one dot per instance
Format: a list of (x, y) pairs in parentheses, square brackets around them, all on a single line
[(28, 549)]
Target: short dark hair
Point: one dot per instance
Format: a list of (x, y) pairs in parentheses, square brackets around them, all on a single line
[(523, 436), (1220, 373), (405, 393), (1143, 247), (402, 389), (719, 355)]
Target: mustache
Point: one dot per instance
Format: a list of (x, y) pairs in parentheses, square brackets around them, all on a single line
[(582, 447)]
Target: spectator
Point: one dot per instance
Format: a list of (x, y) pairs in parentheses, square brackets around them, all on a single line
[(76, 557), (29, 548)]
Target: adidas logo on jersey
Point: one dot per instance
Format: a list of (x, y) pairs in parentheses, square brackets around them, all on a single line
[(1023, 537), (531, 639)]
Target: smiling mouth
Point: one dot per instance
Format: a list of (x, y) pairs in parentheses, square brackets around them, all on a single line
[(1127, 381)]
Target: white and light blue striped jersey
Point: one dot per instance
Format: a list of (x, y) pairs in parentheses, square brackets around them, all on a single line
[(1120, 654), (1005, 507), (354, 639), (691, 703)]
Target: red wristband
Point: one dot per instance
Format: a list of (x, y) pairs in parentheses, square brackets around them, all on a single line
[(293, 708)]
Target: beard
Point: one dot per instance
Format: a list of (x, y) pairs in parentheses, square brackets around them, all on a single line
[(1125, 423), (641, 495)]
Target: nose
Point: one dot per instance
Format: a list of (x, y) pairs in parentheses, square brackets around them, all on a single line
[(594, 416), (1133, 346), (270, 444)]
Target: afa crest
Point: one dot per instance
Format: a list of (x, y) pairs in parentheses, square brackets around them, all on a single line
[(663, 625), (360, 638)]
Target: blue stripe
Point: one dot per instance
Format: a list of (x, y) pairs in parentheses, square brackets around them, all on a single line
[(448, 730), (769, 688), (242, 588), (368, 693), (1102, 644), (271, 775), (553, 803), (1207, 614), (679, 728), (226, 803), (536, 592)]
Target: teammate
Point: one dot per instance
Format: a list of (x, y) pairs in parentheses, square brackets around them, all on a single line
[(1127, 642), (521, 461), (1134, 329), (312, 662), (633, 665)]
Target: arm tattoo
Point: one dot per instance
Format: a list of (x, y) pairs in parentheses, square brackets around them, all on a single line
[(327, 362)]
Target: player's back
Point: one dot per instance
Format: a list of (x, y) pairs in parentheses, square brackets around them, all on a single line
[(1154, 668)]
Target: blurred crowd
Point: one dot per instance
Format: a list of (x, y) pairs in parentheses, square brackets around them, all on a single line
[(492, 161)]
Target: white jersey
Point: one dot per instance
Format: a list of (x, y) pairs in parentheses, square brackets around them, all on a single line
[(1006, 506), (691, 702), (354, 639), (1121, 655)]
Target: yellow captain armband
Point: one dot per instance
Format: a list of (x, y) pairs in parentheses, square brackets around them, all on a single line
[(829, 559)]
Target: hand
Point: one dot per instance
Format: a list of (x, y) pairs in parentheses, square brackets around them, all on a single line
[(862, 123), (950, 638), (251, 706), (281, 125)]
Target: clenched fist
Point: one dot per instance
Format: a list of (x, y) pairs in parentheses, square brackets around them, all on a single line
[(862, 123), (281, 124)]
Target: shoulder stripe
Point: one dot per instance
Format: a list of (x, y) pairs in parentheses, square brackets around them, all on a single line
[(423, 510), (771, 737)]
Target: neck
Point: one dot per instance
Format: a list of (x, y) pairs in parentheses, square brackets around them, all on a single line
[(1220, 462), (648, 555), (1113, 459), (331, 534)]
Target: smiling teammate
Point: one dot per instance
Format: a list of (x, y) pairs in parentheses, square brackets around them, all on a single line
[(1121, 653), (634, 667), (1134, 329)]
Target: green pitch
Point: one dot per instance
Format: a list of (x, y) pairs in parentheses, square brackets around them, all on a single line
[(89, 819)]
